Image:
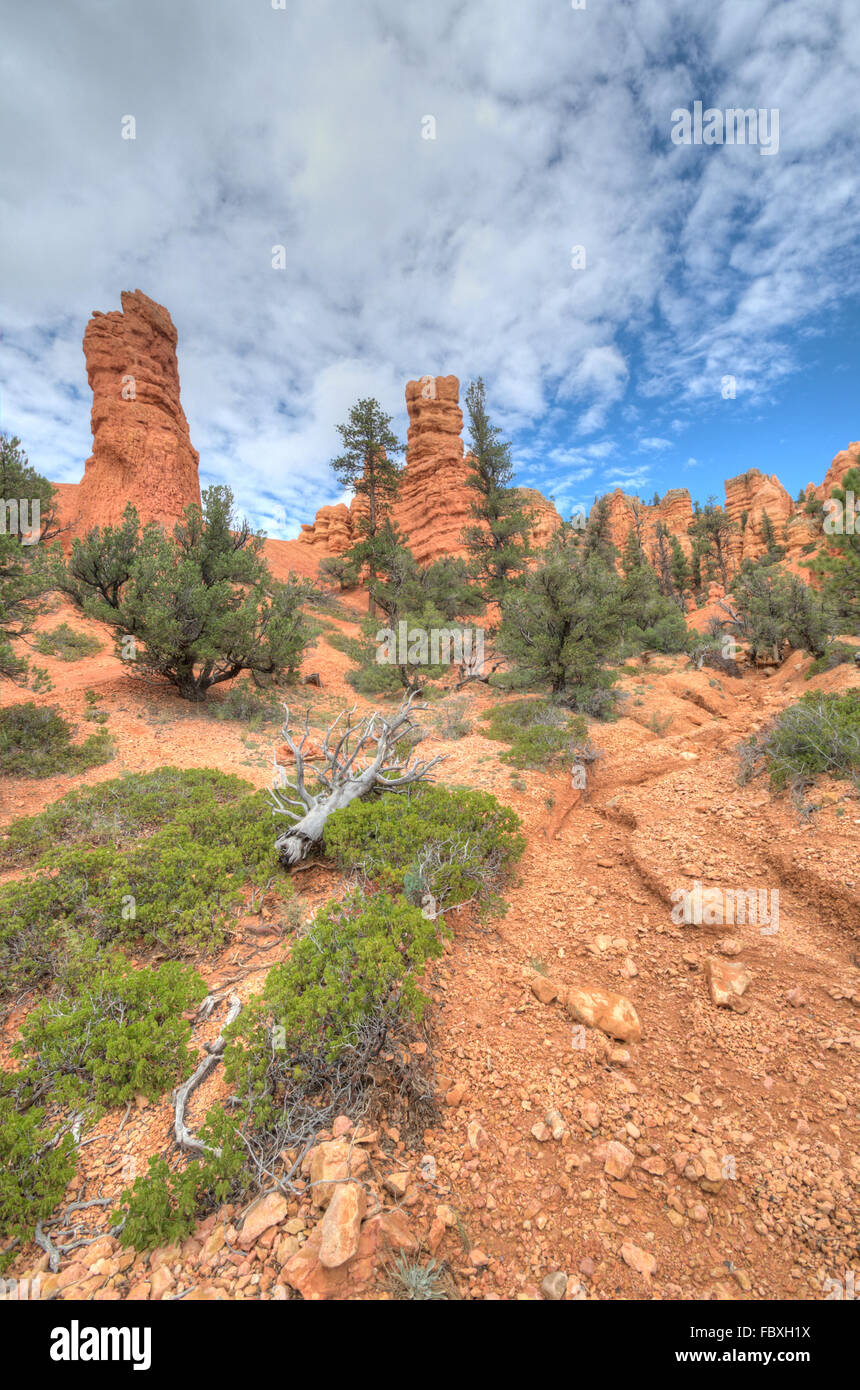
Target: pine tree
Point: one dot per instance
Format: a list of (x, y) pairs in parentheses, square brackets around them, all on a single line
[(498, 542), (712, 531), (838, 566), (773, 550), (696, 572), (201, 605), (367, 465), (681, 576), (28, 520), (562, 626), (597, 540)]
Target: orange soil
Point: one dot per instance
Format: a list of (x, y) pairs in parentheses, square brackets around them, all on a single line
[(772, 1088)]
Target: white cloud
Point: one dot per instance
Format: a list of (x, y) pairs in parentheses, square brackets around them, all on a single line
[(302, 127)]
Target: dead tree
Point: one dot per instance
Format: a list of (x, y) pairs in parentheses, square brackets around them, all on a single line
[(364, 759), (474, 672)]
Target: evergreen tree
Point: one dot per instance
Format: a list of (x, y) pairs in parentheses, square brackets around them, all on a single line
[(712, 531), (774, 607), (367, 464), (681, 576), (773, 550), (648, 618), (498, 542), (632, 556), (597, 540), (201, 607), (838, 566), (28, 520), (696, 572), (662, 561), (562, 626)]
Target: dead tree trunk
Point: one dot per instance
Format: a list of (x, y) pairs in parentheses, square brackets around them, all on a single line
[(351, 771)]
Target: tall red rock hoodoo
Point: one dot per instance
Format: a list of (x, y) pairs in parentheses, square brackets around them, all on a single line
[(142, 452), (433, 504), (434, 501)]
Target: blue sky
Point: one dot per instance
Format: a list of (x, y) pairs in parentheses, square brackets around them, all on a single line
[(304, 127)]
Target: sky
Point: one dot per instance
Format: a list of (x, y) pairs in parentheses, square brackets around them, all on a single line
[(477, 187)]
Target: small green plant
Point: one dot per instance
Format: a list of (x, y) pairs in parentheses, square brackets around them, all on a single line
[(356, 960), (92, 713), (409, 1279), (540, 734), (123, 811), (163, 1206), (35, 741), (177, 889), (659, 726), (36, 1166), (455, 845), (66, 644), (451, 721), (110, 1032), (350, 646), (246, 705), (329, 1026), (598, 700), (819, 734), (837, 654)]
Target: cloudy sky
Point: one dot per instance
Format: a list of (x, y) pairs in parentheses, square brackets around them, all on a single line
[(306, 127)]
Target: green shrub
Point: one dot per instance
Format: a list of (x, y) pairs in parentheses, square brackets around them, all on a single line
[(350, 646), (837, 654), (356, 960), (820, 734), (451, 722), (540, 734), (36, 1166), (668, 634), (92, 713), (176, 888), (375, 678), (409, 1279), (202, 605), (124, 810), (163, 1207), (35, 741), (598, 700), (110, 1032), (330, 1020), (455, 845), (67, 644), (243, 703)]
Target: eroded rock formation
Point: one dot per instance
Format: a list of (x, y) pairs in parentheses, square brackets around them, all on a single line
[(843, 461), (142, 452), (331, 530), (434, 502)]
